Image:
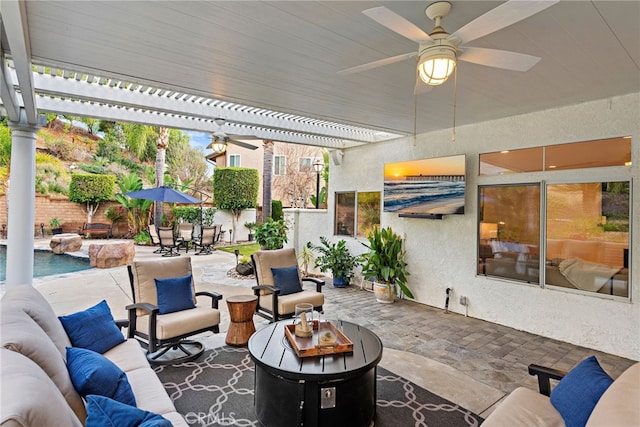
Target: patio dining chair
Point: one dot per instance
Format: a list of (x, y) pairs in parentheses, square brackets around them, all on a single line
[(279, 286), (205, 242), (185, 235), (167, 310), (155, 240), (168, 242)]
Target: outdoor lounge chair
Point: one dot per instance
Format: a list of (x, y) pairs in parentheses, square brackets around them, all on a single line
[(205, 243), (276, 300), (168, 243), (163, 334)]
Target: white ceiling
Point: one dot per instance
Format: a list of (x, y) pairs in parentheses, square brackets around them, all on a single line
[(284, 55)]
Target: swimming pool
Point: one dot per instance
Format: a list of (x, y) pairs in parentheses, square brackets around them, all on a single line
[(46, 263)]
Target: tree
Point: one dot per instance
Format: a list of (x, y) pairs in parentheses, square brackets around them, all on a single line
[(137, 209), (187, 163), (298, 183), (235, 189), (161, 147), (91, 190), (139, 139), (267, 172)]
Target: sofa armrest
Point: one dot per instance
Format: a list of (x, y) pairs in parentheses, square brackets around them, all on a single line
[(544, 375), (215, 297)]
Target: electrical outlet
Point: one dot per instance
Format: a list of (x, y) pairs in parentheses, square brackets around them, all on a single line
[(463, 300)]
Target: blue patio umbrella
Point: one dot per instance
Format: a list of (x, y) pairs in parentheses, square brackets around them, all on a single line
[(163, 194)]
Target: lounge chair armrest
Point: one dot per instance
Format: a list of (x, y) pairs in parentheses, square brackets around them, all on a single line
[(122, 323), (319, 282), (152, 309), (257, 289), (215, 297), (544, 375)]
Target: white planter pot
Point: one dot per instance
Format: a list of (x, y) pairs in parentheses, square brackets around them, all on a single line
[(384, 293)]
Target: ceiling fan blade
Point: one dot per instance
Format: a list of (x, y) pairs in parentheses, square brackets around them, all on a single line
[(397, 23), (245, 137), (501, 17), (379, 63), (499, 58), (242, 144)]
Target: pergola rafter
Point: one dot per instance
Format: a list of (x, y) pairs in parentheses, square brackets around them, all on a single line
[(84, 94)]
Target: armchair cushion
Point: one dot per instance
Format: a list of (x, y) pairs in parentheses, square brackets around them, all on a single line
[(92, 373), (105, 412), (175, 294), (93, 329), (578, 392), (287, 279)]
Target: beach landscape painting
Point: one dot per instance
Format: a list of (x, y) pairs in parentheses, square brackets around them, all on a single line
[(433, 186)]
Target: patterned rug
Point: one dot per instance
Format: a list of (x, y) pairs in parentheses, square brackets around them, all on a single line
[(217, 390)]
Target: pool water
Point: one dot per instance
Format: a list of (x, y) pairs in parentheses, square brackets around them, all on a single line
[(46, 263)]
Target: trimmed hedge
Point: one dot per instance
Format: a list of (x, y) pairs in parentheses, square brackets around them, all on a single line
[(92, 189), (235, 188)]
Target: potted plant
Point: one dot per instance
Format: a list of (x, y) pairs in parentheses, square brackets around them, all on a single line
[(271, 234), (384, 264), (335, 257), (56, 226), (251, 226)]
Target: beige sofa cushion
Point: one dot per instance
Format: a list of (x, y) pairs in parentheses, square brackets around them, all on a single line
[(29, 397), (20, 333), (524, 407), (149, 391), (128, 356), (29, 300), (619, 406)]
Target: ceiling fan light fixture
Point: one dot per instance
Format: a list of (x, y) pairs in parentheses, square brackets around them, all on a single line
[(436, 65), (218, 146)]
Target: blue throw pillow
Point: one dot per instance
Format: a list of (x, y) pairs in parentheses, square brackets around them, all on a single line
[(93, 328), (287, 279), (92, 373), (578, 392), (174, 294), (104, 412)]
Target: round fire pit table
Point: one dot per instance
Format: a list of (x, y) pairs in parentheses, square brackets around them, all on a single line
[(325, 390)]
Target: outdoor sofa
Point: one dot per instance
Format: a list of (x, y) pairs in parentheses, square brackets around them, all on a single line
[(37, 388), (618, 406)]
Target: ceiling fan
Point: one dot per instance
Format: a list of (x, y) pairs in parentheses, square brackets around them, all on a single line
[(439, 51), (219, 139)]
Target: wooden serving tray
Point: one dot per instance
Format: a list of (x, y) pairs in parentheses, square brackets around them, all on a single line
[(306, 347)]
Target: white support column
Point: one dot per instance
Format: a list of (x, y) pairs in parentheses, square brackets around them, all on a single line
[(21, 199)]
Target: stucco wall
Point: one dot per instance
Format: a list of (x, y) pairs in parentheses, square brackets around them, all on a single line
[(442, 253)]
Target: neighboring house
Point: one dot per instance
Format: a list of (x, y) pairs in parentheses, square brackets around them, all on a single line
[(293, 178)]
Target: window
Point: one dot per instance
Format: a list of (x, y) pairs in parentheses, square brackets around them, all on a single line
[(306, 164), (586, 242), (587, 237), (356, 213), (279, 165), (234, 160), (575, 155), (509, 232)]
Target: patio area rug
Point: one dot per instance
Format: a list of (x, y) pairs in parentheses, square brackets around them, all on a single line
[(217, 390)]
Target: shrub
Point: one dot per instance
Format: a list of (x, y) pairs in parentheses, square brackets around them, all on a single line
[(276, 210)]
